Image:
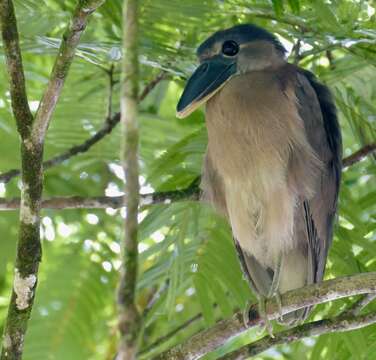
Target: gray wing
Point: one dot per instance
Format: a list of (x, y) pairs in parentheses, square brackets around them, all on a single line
[(317, 110)]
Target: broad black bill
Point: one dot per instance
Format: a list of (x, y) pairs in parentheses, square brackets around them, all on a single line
[(208, 78)]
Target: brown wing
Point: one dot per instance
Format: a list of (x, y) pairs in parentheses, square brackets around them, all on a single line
[(317, 110)]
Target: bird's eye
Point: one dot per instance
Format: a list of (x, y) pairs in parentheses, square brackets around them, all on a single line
[(230, 48)]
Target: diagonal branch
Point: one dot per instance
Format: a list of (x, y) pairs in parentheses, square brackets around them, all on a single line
[(106, 129), (210, 339), (341, 323), (109, 124), (358, 155), (13, 58), (164, 338), (364, 301), (61, 67)]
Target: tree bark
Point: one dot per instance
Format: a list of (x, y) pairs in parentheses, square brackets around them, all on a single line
[(129, 317), (32, 133), (210, 339)]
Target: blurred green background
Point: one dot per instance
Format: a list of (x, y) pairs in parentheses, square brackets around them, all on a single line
[(186, 250)]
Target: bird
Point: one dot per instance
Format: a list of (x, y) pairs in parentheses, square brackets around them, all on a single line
[(272, 166)]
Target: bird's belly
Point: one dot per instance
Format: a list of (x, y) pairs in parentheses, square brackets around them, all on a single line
[(262, 219)]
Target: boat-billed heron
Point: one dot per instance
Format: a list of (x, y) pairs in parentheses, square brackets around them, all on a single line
[(273, 161)]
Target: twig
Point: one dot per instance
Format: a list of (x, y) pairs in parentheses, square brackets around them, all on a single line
[(111, 84), (13, 58), (295, 52), (106, 129), (208, 340), (342, 323), (28, 253), (361, 304), (359, 155), (286, 19), (129, 317), (161, 340), (155, 296), (109, 124), (318, 50), (330, 57), (152, 84), (115, 202)]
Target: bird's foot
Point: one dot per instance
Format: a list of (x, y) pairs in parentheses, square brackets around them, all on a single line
[(267, 325), (246, 315), (278, 299)]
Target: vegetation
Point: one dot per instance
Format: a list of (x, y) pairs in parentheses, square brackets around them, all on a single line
[(188, 273)]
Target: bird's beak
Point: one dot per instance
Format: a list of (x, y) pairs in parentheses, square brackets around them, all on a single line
[(208, 78)]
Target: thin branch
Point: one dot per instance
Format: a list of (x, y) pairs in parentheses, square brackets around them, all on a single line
[(111, 84), (341, 323), (106, 129), (286, 19), (163, 339), (362, 303), (295, 52), (152, 84), (129, 317), (330, 57), (155, 296), (210, 339), (318, 50), (109, 124), (13, 58), (168, 336), (63, 61), (191, 193), (359, 155)]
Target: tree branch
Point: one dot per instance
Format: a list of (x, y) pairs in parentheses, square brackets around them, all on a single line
[(28, 253), (152, 84), (286, 19), (61, 67), (342, 323), (358, 155), (362, 303), (13, 58), (161, 340), (129, 317), (28, 246), (109, 124), (208, 340), (115, 202)]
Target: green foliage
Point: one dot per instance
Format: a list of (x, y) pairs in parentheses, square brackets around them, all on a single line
[(185, 248)]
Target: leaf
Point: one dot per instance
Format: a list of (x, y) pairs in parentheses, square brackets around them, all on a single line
[(204, 300), (278, 7), (295, 6)]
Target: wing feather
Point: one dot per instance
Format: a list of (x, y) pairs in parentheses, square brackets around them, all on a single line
[(317, 110)]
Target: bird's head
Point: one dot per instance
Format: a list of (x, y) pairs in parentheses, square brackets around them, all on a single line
[(225, 54)]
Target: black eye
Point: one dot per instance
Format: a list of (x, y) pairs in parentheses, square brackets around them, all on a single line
[(230, 48)]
